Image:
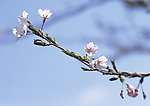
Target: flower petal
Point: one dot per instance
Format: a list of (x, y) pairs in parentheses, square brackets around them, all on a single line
[(91, 49), (44, 13)]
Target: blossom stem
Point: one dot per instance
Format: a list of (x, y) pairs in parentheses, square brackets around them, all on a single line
[(138, 85), (44, 19)]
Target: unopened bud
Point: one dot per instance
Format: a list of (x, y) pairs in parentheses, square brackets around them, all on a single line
[(144, 95), (136, 91), (40, 42), (86, 58), (121, 94), (122, 79), (114, 78)]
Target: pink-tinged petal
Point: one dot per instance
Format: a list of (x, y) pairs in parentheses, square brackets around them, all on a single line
[(49, 15), (130, 87), (99, 67), (23, 18), (20, 30), (14, 31), (103, 64), (40, 11), (103, 58), (25, 14)]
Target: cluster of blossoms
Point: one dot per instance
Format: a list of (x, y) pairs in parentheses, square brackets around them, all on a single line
[(21, 29), (99, 63), (131, 91)]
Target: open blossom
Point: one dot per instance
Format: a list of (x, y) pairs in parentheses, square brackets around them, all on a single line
[(20, 30), (45, 13), (131, 91), (91, 49), (23, 18), (100, 62)]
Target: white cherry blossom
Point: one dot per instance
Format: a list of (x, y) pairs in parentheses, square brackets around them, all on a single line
[(20, 30), (91, 49), (100, 63), (131, 91), (44, 13), (23, 18)]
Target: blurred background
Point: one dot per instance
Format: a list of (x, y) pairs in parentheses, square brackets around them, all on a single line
[(43, 76)]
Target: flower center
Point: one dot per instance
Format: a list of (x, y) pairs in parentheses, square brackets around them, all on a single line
[(89, 50), (98, 62)]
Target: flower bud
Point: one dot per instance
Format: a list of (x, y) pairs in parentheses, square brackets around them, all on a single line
[(121, 94), (122, 79), (144, 95), (40, 42), (114, 78)]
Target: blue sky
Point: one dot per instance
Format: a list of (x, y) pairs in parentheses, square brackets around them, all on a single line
[(43, 76)]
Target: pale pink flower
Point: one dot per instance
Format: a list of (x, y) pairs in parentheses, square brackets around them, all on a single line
[(23, 18), (131, 91), (20, 30), (100, 63), (91, 49), (44, 13)]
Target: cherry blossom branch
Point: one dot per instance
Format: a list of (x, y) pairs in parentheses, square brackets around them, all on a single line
[(78, 57), (132, 92), (138, 3), (99, 64), (122, 73)]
